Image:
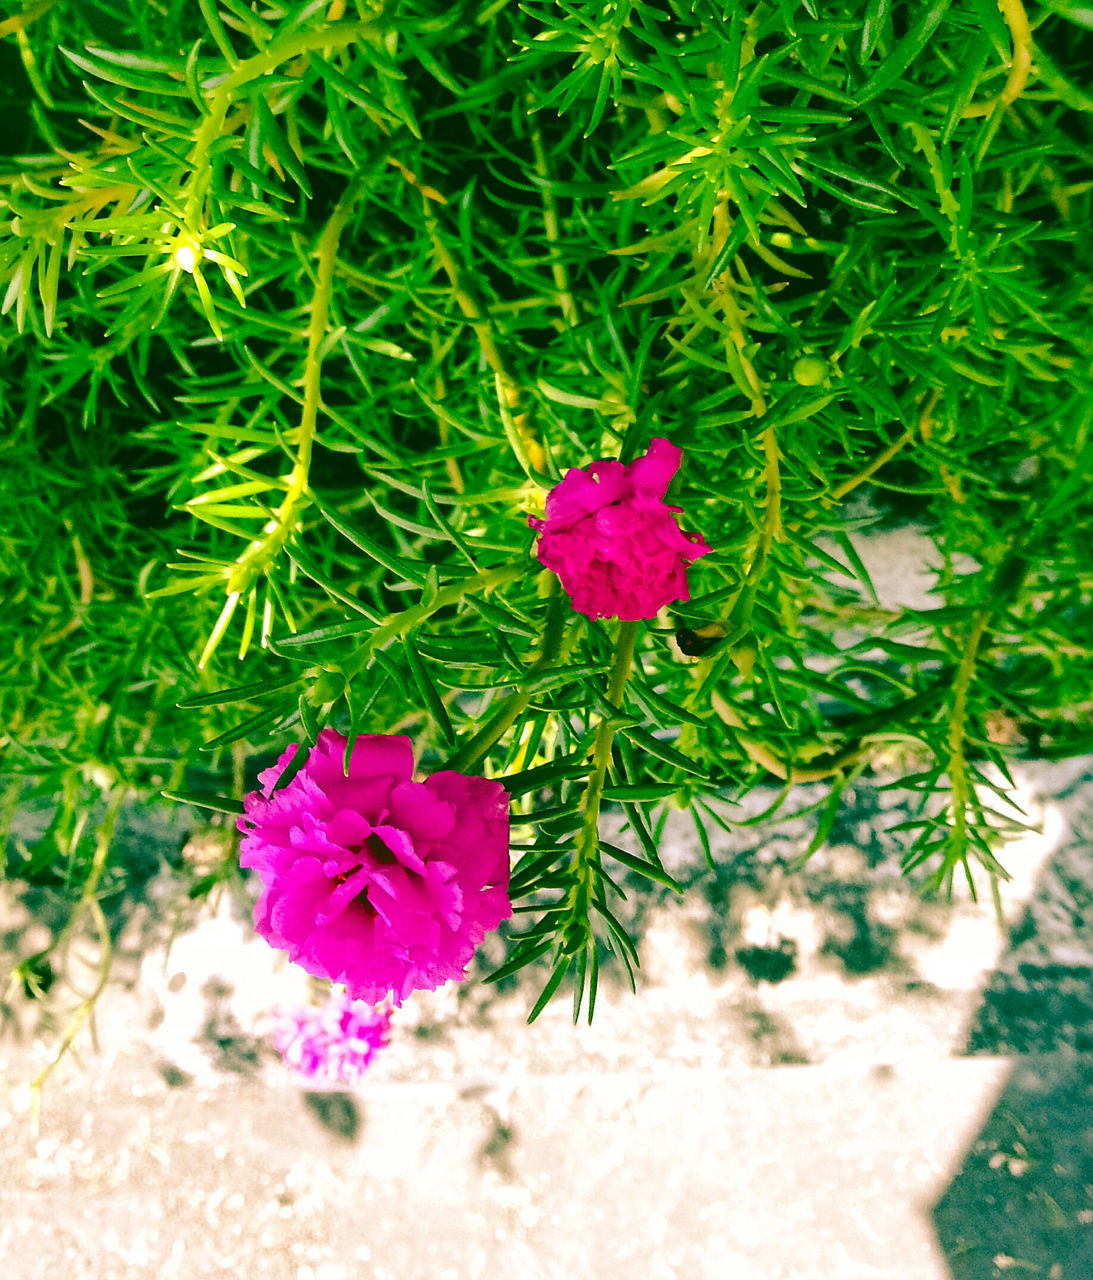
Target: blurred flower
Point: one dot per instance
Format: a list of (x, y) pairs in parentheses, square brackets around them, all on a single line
[(374, 880), (613, 541), (334, 1044)]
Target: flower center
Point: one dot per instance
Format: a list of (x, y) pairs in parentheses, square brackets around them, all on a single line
[(377, 854)]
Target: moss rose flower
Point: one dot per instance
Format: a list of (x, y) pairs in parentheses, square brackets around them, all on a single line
[(334, 1044), (374, 880), (613, 541)]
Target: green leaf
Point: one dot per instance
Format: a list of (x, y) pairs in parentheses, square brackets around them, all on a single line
[(641, 867), (446, 527), (968, 81), (201, 800), (299, 556), (662, 750), (905, 53), (523, 954), (990, 18), (335, 631), (626, 948), (663, 712), (218, 32), (244, 729), (1071, 94), (774, 683), (198, 583), (538, 683), (353, 90), (412, 570), (876, 14), (240, 693), (100, 64), (641, 791), (703, 835), (561, 968), (307, 717), (270, 133), (428, 691), (783, 413), (560, 396), (567, 766), (527, 872)]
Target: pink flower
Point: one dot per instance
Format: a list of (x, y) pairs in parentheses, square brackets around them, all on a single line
[(334, 1044), (613, 541), (374, 880)]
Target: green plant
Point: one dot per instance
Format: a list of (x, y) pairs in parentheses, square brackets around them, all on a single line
[(308, 303)]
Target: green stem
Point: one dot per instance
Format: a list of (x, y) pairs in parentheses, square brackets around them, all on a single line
[(957, 771), (212, 127), (513, 707), (1004, 584), (587, 842), (320, 310), (552, 225), (87, 905), (261, 553), (399, 623), (738, 617), (772, 512)]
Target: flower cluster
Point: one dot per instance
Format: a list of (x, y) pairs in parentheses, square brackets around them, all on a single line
[(388, 885), (334, 1044), (372, 879), (613, 541)]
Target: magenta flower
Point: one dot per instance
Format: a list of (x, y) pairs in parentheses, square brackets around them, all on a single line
[(613, 541), (334, 1044), (373, 880)]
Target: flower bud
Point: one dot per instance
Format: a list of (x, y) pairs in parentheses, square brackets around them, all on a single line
[(810, 371)]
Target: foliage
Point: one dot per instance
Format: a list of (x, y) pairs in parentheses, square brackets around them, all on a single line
[(309, 301)]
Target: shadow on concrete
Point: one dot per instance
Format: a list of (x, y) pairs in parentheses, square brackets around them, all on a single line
[(338, 1113), (1021, 1202)]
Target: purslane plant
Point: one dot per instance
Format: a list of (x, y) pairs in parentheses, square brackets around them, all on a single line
[(312, 305)]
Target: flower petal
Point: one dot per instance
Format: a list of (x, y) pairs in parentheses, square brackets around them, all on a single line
[(653, 472)]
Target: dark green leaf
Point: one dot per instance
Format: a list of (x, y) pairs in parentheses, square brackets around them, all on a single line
[(905, 53), (200, 800)]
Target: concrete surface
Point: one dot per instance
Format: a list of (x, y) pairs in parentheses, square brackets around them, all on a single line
[(758, 1174), (823, 1126)]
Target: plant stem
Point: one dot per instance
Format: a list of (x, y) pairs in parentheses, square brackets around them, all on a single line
[(252, 69), (957, 767), (587, 841), (320, 309), (1015, 17), (478, 318), (260, 554), (399, 623), (88, 904), (772, 512), (1004, 584), (551, 226), (886, 455), (513, 707), (21, 21)]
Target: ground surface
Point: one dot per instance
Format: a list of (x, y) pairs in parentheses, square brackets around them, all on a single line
[(829, 1123)]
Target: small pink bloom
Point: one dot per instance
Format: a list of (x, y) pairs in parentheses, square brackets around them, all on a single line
[(374, 880), (613, 541), (334, 1044)]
